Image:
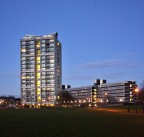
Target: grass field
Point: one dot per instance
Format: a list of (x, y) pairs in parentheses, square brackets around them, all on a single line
[(70, 122)]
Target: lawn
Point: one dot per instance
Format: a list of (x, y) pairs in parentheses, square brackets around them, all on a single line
[(69, 122)]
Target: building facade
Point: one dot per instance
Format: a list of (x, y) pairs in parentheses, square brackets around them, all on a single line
[(81, 94), (120, 92), (104, 93), (41, 74)]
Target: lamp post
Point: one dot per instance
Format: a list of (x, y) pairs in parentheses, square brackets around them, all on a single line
[(136, 91)]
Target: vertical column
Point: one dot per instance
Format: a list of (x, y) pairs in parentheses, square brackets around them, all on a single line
[(38, 75)]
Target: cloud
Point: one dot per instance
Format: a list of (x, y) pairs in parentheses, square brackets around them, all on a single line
[(119, 76), (115, 75), (96, 76), (112, 63)]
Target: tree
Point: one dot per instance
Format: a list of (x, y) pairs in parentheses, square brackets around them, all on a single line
[(142, 85), (65, 96), (141, 93)]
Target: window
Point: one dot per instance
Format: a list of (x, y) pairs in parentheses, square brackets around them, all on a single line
[(23, 62), (38, 75), (38, 52), (43, 73), (38, 67), (23, 65), (31, 42), (32, 46), (42, 49), (42, 57), (31, 50), (51, 61), (23, 42), (43, 81), (42, 41), (38, 83), (42, 68), (42, 76), (23, 50), (51, 40), (38, 59), (42, 45), (42, 65)]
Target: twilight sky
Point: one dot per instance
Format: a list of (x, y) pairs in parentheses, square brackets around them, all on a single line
[(100, 38)]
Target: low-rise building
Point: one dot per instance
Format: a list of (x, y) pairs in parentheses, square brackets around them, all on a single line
[(102, 93), (120, 92)]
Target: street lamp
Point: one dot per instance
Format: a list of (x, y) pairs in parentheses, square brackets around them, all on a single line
[(136, 91)]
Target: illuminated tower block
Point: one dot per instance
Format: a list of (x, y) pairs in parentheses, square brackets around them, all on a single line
[(40, 69)]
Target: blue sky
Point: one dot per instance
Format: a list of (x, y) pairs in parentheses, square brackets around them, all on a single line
[(100, 38)]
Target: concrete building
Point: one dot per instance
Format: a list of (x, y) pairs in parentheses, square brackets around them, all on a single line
[(41, 74), (104, 93), (119, 92), (81, 94)]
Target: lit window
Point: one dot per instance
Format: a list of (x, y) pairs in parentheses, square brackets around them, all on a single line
[(23, 50), (38, 67), (38, 90), (38, 99), (38, 75), (38, 83), (38, 52), (121, 100), (38, 44), (51, 61), (130, 85), (23, 77)]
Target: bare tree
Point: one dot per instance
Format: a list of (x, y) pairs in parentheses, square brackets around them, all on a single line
[(141, 93), (142, 85), (64, 96)]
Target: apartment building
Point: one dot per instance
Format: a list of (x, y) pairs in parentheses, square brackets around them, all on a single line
[(41, 74)]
